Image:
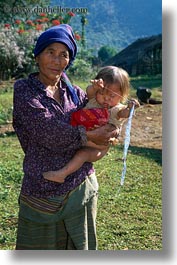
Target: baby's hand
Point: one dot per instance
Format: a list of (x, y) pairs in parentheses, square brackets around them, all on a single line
[(125, 112), (133, 102), (97, 83)]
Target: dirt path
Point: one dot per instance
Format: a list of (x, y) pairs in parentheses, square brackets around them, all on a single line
[(146, 128)]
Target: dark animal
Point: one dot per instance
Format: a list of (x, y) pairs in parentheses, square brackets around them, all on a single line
[(144, 94)]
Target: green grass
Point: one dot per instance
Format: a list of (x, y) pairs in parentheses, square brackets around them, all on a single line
[(147, 81), (129, 216), (11, 158), (6, 96)]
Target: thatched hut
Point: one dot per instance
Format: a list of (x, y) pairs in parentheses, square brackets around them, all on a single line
[(144, 56)]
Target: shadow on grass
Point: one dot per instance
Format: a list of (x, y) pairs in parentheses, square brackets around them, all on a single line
[(150, 153), (7, 134)]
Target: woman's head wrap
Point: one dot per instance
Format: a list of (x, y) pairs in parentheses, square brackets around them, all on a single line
[(63, 34)]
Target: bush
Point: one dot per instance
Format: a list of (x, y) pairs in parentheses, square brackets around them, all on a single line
[(11, 56), (81, 70), (16, 52), (17, 41)]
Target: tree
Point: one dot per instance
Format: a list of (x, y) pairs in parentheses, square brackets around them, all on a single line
[(12, 9), (81, 69), (106, 52)]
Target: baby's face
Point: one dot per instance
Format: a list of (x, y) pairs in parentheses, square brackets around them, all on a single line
[(110, 96)]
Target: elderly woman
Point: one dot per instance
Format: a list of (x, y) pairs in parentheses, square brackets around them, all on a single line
[(54, 215)]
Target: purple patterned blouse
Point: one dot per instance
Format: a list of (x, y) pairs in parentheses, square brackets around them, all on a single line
[(47, 138)]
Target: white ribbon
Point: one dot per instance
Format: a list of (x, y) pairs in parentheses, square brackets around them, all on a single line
[(126, 144)]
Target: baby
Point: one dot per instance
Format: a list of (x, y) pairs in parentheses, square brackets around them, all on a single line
[(106, 95)]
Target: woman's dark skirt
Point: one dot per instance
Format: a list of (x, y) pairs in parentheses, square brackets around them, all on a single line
[(64, 223)]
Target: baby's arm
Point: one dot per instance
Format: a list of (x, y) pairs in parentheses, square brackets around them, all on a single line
[(94, 87)]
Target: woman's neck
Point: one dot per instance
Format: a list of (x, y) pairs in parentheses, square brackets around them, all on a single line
[(51, 86), (51, 83)]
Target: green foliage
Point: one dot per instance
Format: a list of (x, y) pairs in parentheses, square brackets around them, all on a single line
[(13, 9), (11, 57), (81, 70), (106, 52)]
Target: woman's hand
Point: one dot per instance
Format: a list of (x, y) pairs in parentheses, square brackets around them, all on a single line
[(102, 135)]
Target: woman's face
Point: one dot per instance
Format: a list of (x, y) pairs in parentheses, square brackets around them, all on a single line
[(52, 61)]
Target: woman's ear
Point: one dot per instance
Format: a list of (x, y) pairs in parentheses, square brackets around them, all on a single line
[(37, 61)]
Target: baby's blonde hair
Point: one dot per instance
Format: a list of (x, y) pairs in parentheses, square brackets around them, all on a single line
[(112, 75)]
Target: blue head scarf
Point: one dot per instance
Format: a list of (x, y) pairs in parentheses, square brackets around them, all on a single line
[(63, 34)]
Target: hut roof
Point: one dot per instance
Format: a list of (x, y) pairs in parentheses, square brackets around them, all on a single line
[(135, 51)]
